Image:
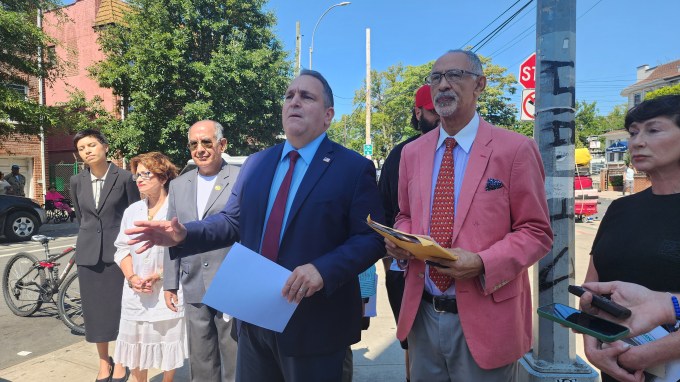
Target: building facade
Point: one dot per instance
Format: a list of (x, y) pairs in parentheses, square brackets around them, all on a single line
[(649, 79)]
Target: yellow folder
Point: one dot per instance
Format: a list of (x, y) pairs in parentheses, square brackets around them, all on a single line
[(421, 246)]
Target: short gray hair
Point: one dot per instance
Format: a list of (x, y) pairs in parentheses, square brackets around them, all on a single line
[(219, 130), (473, 59)]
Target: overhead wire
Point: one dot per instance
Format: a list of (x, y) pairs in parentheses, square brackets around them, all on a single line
[(489, 24), (498, 29)]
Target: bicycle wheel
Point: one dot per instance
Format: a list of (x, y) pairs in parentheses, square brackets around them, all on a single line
[(22, 283), (70, 307)]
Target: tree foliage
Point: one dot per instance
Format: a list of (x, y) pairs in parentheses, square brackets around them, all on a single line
[(666, 90), (179, 61), (20, 42), (392, 97)]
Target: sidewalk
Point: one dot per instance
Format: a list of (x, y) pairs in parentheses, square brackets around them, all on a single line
[(377, 357)]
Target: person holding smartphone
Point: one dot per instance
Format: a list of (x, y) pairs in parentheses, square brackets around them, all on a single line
[(638, 240), (649, 308)]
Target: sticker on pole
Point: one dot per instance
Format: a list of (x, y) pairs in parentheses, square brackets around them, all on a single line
[(528, 105)]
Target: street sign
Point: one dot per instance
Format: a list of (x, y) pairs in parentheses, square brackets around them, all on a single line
[(368, 150), (527, 72), (528, 105)]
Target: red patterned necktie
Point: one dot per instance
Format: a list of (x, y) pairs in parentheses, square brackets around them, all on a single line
[(441, 224), (272, 233)]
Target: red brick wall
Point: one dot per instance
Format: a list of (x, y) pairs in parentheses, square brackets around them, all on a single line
[(79, 50), (27, 146)]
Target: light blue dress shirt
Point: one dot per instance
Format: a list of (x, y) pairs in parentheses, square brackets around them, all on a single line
[(306, 155), (461, 155)]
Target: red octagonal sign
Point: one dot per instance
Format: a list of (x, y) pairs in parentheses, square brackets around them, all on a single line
[(527, 72)]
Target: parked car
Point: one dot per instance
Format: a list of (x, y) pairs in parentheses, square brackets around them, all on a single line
[(20, 218)]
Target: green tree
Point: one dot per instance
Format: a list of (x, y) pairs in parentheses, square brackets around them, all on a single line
[(392, 93), (525, 128), (586, 122), (20, 42), (175, 62), (666, 90)]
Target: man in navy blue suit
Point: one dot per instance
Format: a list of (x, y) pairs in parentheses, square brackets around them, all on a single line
[(322, 237)]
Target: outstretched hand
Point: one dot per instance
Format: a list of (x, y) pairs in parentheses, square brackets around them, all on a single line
[(162, 233)]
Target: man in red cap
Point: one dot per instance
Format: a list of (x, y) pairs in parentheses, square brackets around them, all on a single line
[(424, 119)]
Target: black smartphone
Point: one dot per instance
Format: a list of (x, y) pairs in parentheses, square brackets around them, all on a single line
[(435, 264), (602, 302), (605, 331)]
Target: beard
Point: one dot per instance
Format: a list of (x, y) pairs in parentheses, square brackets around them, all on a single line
[(446, 108), (426, 126)]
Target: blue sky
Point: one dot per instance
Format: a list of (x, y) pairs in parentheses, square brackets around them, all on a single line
[(613, 38)]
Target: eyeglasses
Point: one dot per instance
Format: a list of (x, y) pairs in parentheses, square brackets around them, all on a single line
[(452, 76), (146, 175), (205, 142)]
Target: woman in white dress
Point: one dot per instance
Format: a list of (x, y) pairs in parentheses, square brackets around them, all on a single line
[(150, 334)]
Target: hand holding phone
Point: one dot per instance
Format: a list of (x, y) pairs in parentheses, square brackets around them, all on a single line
[(435, 264), (601, 302), (603, 330)]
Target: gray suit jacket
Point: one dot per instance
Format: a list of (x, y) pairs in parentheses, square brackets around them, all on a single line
[(196, 271), (99, 227)]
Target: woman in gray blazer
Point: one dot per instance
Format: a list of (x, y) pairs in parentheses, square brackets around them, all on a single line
[(100, 195)]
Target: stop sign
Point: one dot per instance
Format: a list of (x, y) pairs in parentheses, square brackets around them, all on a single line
[(527, 72)]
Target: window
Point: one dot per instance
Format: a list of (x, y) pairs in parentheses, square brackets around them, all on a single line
[(611, 157), (637, 98), (21, 89)]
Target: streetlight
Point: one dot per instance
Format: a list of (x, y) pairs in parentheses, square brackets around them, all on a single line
[(311, 47)]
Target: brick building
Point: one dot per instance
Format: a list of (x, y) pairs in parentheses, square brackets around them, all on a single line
[(25, 150), (79, 49)]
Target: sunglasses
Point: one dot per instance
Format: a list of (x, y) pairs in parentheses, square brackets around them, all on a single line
[(146, 175), (205, 142)]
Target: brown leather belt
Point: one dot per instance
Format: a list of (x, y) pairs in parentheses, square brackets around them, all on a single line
[(441, 304)]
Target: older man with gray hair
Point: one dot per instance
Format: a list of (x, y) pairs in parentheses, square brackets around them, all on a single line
[(193, 196)]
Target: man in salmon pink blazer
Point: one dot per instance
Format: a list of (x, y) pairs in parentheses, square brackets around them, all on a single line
[(481, 194)]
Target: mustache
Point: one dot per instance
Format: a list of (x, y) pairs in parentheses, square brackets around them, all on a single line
[(448, 94)]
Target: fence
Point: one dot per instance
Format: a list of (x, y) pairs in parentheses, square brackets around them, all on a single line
[(60, 174)]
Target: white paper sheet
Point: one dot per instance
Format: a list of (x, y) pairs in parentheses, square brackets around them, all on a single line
[(248, 287)]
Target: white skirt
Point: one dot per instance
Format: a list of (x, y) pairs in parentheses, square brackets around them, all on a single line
[(152, 345)]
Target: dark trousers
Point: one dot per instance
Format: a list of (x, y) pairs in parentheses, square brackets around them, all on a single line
[(260, 360)]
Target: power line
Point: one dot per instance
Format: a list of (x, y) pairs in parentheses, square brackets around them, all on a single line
[(487, 25), (521, 36), (498, 29)]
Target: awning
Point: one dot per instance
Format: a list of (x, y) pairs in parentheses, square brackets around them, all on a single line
[(617, 147)]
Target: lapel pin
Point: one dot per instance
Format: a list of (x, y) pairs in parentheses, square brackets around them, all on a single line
[(326, 159), (218, 187)]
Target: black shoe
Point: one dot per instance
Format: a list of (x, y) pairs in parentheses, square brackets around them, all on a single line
[(123, 379), (107, 379)]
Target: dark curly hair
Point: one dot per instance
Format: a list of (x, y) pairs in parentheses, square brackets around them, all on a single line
[(159, 164)]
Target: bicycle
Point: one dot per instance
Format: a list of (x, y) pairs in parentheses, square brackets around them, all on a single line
[(28, 283)]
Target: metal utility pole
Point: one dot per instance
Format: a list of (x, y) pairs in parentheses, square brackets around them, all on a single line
[(553, 357), (298, 44), (368, 152)]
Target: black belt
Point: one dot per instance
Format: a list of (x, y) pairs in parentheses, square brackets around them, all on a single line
[(441, 303)]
